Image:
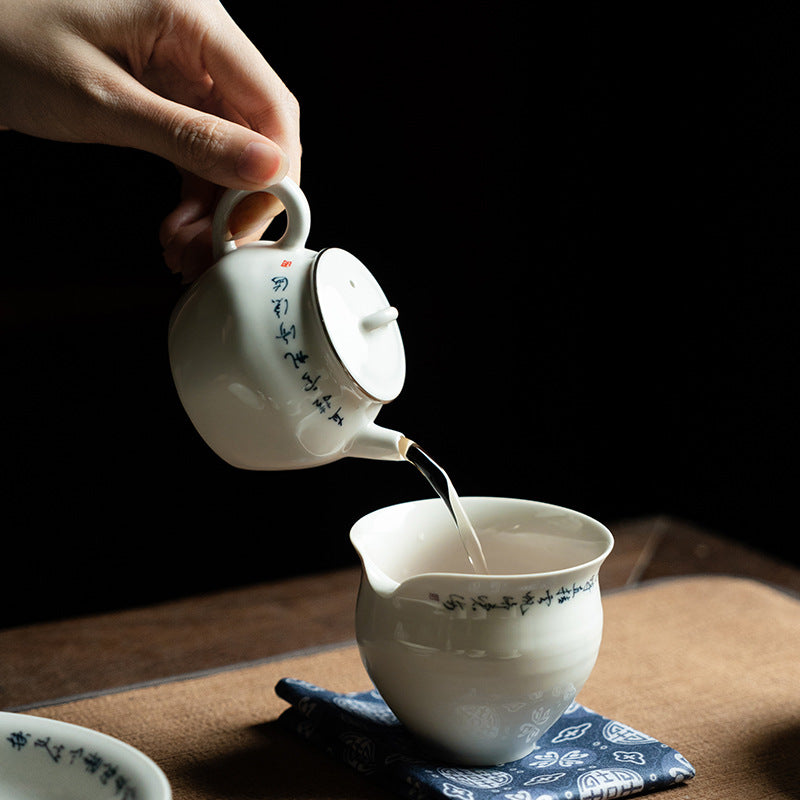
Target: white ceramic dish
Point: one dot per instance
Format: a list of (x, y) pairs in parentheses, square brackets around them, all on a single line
[(45, 759)]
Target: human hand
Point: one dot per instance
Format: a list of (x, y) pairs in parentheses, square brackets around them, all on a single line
[(176, 78)]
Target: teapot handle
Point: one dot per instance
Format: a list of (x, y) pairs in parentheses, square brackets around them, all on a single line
[(298, 215)]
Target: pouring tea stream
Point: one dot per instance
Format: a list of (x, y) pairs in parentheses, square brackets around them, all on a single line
[(443, 486)]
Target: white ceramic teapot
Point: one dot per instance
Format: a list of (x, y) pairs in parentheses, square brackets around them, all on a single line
[(282, 357)]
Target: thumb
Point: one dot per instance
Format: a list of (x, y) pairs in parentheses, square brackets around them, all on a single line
[(215, 149)]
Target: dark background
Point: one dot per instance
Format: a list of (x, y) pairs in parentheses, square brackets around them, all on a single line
[(588, 224)]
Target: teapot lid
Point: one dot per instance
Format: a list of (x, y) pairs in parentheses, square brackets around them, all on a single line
[(360, 324)]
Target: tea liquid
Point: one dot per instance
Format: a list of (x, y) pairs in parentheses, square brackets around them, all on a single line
[(441, 483)]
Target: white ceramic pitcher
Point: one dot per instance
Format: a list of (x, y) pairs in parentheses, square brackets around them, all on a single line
[(479, 666), (282, 356)]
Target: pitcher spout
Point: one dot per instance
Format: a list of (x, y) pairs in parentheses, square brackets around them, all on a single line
[(377, 443)]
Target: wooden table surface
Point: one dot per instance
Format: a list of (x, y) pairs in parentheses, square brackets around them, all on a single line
[(51, 660)]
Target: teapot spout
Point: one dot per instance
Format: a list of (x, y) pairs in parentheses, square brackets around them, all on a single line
[(377, 442)]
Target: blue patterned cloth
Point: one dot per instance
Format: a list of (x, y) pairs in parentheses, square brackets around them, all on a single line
[(584, 756)]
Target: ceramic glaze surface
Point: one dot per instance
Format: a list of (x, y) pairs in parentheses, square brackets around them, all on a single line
[(44, 759), (282, 356), (480, 666)]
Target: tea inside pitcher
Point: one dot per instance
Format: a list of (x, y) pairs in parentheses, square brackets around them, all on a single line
[(443, 486)]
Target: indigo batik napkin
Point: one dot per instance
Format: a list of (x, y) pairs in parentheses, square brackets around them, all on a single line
[(584, 755)]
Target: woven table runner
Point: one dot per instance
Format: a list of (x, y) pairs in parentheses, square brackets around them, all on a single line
[(709, 666)]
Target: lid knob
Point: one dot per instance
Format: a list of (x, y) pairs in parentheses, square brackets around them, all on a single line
[(380, 318)]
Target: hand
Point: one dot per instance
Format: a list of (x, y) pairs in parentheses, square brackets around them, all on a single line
[(176, 78)]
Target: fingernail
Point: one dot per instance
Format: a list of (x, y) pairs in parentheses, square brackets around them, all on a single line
[(261, 164)]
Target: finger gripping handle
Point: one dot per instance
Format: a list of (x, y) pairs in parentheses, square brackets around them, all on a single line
[(294, 201)]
